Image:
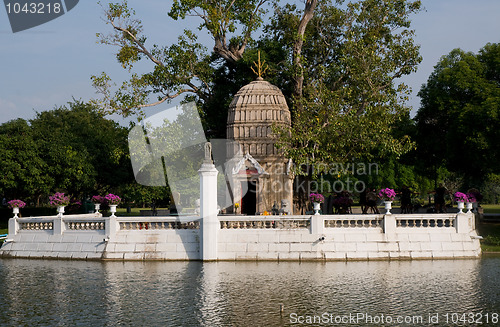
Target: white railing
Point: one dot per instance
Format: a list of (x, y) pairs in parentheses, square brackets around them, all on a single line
[(426, 221), (265, 222), (353, 221), (158, 223), (315, 224)]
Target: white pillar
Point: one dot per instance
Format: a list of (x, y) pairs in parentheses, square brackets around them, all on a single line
[(208, 211), (389, 224), (317, 224), (111, 228), (462, 223), (58, 226), (13, 227)]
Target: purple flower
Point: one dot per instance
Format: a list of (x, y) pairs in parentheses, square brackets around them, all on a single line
[(59, 200), (97, 199), (460, 197), (16, 204), (315, 197), (387, 194), (113, 199), (471, 197)]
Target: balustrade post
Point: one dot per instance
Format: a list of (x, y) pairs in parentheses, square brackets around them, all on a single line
[(58, 226), (111, 227), (13, 227), (317, 224), (389, 224), (462, 223), (208, 207)]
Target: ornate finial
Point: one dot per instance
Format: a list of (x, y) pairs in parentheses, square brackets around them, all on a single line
[(261, 69), (208, 153)]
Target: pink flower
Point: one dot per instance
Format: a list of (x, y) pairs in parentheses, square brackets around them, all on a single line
[(16, 204), (59, 200), (387, 194), (113, 199)]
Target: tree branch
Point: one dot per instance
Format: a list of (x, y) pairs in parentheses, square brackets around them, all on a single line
[(139, 43)]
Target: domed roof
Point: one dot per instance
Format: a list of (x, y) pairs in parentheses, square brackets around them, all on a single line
[(254, 109), (258, 92)]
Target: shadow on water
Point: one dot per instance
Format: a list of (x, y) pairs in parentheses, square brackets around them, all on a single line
[(36, 292)]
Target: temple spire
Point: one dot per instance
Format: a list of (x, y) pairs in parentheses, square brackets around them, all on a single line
[(260, 66)]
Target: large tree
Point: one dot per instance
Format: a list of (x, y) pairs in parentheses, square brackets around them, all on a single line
[(23, 172), (459, 117), (337, 64), (72, 149)]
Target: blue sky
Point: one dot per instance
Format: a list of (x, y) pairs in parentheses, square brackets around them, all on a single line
[(48, 65)]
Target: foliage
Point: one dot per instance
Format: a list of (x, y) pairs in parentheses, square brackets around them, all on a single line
[(491, 189), (72, 149), (140, 195), (23, 170), (460, 114), (352, 59), (83, 151)]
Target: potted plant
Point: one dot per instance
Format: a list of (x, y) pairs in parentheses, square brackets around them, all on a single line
[(471, 198), (113, 201), (15, 205), (387, 195), (460, 199), (59, 200), (478, 197), (316, 199), (97, 200)]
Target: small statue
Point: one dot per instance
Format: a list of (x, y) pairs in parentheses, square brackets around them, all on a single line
[(285, 207), (208, 153)]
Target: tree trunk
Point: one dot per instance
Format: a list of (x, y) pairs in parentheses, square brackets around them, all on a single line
[(298, 80)]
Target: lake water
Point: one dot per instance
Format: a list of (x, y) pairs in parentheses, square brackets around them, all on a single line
[(79, 293)]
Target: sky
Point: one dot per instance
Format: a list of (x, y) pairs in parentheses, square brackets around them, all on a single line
[(49, 65)]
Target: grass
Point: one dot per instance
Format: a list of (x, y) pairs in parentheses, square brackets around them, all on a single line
[(491, 234), (491, 208)]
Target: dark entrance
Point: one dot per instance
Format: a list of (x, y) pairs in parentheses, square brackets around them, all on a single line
[(249, 200)]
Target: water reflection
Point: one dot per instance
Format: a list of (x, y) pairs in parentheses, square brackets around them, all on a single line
[(238, 294)]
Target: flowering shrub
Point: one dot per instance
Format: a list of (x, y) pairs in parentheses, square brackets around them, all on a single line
[(59, 199), (97, 199), (315, 197), (16, 204), (112, 199), (387, 194), (460, 197)]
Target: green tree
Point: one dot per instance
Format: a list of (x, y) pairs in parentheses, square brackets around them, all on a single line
[(459, 117), (83, 151), (23, 173), (352, 58)]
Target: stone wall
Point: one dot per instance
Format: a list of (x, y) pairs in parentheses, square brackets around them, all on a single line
[(321, 237), (350, 237)]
